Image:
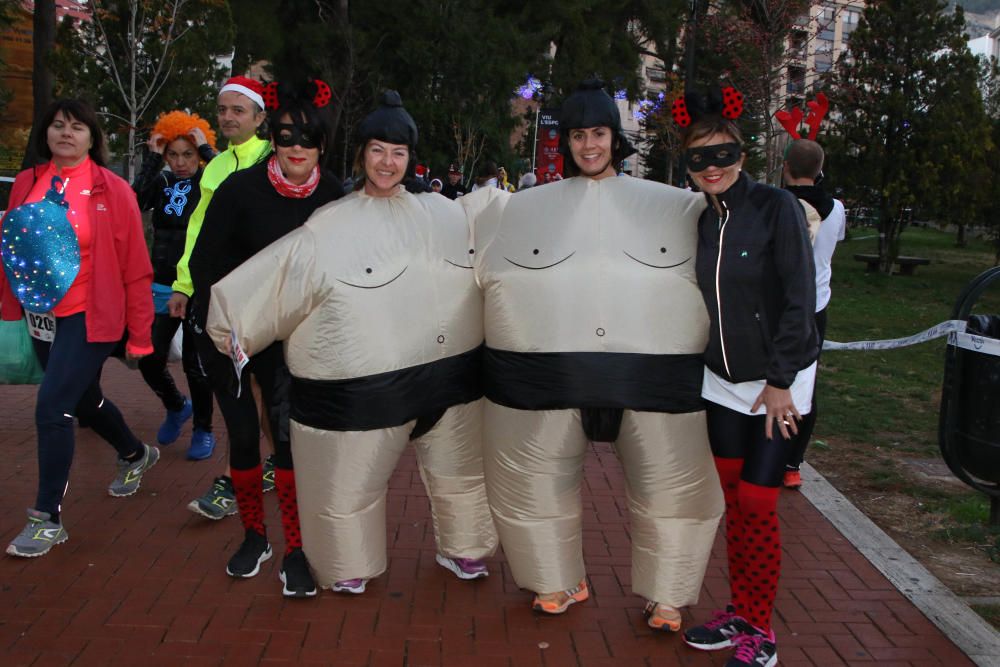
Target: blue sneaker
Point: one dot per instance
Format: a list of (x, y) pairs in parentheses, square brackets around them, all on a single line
[(170, 429), (202, 445)]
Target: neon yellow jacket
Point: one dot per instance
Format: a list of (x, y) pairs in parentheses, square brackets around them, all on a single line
[(232, 159)]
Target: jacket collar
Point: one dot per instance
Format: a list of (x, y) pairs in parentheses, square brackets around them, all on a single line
[(250, 150)]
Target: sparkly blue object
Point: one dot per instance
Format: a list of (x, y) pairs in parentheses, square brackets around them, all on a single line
[(41, 254)]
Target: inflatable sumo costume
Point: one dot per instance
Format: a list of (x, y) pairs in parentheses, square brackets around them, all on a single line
[(377, 303), (594, 331)]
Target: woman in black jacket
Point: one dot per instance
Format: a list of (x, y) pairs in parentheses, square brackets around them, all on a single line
[(183, 141), (755, 271), (252, 209)]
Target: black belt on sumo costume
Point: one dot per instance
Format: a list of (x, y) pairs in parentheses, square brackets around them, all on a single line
[(385, 400), (600, 384)]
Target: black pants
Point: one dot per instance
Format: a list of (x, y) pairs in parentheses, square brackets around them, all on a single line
[(797, 451), (71, 388), (155, 373), (734, 435), (240, 414)]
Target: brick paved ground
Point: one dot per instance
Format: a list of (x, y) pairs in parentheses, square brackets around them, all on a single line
[(142, 581)]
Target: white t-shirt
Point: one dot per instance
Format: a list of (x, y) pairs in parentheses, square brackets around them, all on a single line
[(740, 396), (831, 230)]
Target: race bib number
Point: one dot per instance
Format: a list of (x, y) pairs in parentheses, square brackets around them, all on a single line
[(240, 359), (41, 326)]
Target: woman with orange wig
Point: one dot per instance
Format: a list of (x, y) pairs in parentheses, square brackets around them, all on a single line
[(184, 141)]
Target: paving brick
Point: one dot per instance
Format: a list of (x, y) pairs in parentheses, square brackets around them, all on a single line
[(147, 569)]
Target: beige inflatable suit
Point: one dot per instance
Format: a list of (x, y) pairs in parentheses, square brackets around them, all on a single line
[(376, 301), (595, 326)]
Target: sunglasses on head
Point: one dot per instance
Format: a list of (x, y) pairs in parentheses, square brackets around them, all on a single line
[(716, 155), (288, 135)]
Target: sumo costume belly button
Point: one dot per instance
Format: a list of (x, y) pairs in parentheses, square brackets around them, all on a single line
[(382, 321), (594, 330)]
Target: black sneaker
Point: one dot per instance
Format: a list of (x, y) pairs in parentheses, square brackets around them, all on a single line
[(754, 650), (247, 559), (720, 632), (296, 577)]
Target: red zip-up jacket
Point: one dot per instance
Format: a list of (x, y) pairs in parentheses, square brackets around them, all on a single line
[(120, 291)]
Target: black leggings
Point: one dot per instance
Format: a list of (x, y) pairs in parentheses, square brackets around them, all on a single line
[(71, 388), (240, 414), (797, 451), (155, 373), (734, 435)]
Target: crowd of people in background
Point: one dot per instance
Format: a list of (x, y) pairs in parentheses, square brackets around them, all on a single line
[(343, 323)]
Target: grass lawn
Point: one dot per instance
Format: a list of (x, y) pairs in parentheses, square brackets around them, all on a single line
[(878, 410)]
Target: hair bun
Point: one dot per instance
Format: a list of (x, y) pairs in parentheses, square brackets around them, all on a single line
[(391, 98)]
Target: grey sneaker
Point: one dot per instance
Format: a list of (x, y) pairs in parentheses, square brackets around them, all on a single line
[(218, 502), (38, 536), (126, 482), (268, 481)]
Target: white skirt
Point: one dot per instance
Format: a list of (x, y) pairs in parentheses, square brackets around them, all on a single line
[(740, 396)]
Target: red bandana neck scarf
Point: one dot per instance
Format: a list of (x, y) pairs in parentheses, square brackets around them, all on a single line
[(287, 189)]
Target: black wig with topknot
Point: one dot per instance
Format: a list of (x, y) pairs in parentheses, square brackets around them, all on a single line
[(591, 106)]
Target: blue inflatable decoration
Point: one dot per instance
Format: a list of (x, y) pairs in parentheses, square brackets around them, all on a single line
[(41, 254)]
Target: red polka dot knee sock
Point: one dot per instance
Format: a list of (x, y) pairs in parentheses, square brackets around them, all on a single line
[(284, 480), (762, 556), (729, 476), (249, 488)]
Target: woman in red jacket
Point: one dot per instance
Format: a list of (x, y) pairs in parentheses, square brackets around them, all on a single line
[(76, 326)]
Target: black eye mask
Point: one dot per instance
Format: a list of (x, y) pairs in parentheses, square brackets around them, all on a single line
[(288, 135), (716, 155)]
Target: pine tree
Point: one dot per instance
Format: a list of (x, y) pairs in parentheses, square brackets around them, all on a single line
[(906, 104)]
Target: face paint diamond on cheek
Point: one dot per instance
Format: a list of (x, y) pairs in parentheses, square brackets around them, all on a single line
[(40, 236)]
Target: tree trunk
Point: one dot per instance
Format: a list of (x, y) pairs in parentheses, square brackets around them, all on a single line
[(962, 241), (43, 42)]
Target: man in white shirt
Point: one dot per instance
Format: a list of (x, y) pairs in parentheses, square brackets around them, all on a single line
[(803, 165)]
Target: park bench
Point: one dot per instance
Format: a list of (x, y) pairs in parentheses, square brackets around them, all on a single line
[(907, 265)]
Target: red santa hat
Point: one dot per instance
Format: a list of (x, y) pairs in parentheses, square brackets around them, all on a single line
[(247, 86)]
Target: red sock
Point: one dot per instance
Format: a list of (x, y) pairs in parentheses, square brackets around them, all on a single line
[(759, 505), (284, 481), (249, 488), (729, 476)]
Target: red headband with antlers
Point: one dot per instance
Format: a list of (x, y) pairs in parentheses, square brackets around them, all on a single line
[(320, 99), (790, 120)]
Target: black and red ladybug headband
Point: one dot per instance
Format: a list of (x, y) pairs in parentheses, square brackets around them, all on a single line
[(717, 102), (321, 95)]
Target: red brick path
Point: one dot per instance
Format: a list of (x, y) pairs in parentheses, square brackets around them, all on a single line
[(142, 581)]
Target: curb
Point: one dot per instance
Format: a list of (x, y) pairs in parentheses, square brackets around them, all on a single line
[(975, 637)]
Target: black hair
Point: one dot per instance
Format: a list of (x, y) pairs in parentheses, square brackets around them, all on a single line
[(78, 110), (297, 103)]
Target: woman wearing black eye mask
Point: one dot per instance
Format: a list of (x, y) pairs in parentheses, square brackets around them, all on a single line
[(755, 271), (250, 210)]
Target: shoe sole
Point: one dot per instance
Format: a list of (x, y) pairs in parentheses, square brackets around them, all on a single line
[(347, 589), (253, 573), (710, 647), (12, 550), (582, 596), (450, 565), (138, 483), (661, 623), (195, 507), (288, 593)]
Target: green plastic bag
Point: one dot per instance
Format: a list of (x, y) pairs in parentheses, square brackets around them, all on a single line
[(18, 363)]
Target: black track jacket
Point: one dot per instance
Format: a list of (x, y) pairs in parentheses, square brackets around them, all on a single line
[(756, 273)]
